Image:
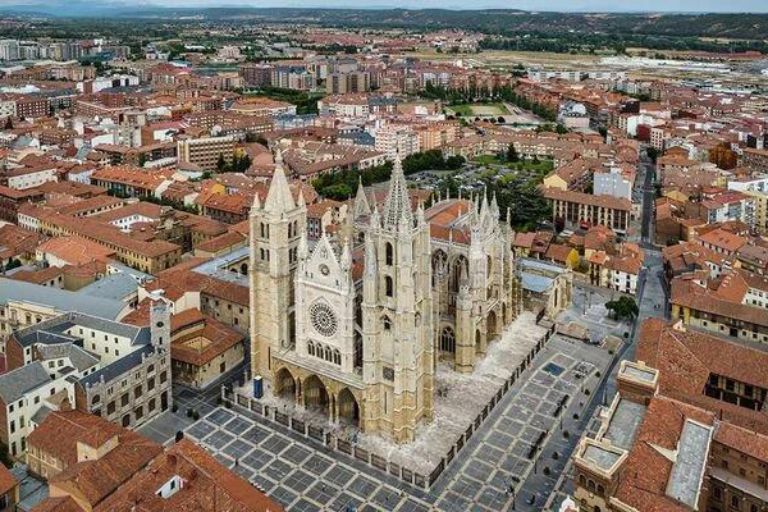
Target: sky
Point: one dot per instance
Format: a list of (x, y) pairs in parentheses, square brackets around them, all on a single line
[(530, 5), (543, 5)]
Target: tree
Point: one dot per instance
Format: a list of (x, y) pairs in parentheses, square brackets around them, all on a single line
[(561, 129), (653, 154), (512, 155), (9, 123), (221, 164), (623, 308)]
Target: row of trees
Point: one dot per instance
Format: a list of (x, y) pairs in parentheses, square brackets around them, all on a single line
[(341, 185), (239, 163), (484, 94)]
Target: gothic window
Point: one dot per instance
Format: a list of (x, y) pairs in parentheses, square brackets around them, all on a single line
[(328, 354), (336, 356), (389, 254), (263, 230), (448, 340), (388, 285), (387, 323), (310, 348), (295, 228), (290, 230)]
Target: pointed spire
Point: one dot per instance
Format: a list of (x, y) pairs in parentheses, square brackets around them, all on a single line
[(303, 248), (362, 208), (375, 217), (397, 206), (370, 257), (420, 213), (301, 202), (484, 207), (346, 257), (279, 197), (256, 206)]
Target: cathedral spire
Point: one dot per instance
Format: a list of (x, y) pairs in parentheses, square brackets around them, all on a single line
[(256, 206), (397, 206), (362, 208), (279, 197)]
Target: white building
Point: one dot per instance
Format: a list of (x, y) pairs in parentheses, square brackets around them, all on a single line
[(393, 140), (612, 183), (25, 392)]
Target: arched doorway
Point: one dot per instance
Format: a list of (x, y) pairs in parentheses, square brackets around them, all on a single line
[(349, 410), (492, 326), (448, 341), (285, 384), (315, 395)]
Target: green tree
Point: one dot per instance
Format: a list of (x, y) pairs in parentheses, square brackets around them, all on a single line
[(512, 155), (221, 164), (623, 308)]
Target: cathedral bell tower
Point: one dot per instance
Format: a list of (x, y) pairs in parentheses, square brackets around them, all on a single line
[(398, 338), (275, 232)]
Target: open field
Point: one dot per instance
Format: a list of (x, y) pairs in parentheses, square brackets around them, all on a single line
[(480, 109), (510, 58)]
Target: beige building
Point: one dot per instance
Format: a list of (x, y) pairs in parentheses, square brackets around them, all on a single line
[(203, 350), (205, 151), (349, 325)]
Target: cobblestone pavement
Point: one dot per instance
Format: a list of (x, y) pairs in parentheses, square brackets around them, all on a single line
[(305, 476)]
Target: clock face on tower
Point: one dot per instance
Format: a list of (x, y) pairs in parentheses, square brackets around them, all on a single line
[(323, 319)]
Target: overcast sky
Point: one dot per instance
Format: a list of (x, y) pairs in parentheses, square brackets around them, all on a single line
[(543, 5), (530, 5)]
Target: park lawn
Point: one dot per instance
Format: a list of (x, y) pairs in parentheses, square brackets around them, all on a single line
[(479, 109), (487, 160)]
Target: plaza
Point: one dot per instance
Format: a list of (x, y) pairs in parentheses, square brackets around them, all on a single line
[(305, 475)]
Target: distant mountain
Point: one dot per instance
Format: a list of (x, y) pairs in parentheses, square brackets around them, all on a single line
[(498, 21)]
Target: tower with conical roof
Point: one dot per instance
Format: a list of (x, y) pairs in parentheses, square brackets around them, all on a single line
[(398, 338), (276, 227)]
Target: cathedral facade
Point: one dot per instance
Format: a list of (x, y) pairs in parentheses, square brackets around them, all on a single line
[(356, 323)]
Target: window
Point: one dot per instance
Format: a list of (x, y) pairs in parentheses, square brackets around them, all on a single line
[(311, 348), (389, 286), (387, 323), (163, 377), (389, 256), (138, 391), (111, 407), (735, 501), (151, 405), (124, 399), (151, 384)]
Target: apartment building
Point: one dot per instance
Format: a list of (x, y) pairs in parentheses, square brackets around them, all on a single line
[(571, 208), (393, 140), (24, 392), (205, 152)]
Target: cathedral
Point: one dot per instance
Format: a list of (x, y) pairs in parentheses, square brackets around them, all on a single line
[(355, 323)]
